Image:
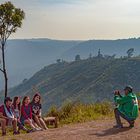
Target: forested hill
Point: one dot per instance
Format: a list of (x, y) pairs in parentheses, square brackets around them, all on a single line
[(89, 80), (24, 57)]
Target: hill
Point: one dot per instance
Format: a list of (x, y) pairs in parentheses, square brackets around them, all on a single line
[(90, 80), (27, 56)]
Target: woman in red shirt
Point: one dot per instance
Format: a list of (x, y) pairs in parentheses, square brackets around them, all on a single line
[(26, 114)]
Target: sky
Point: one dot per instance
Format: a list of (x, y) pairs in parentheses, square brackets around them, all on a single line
[(79, 19)]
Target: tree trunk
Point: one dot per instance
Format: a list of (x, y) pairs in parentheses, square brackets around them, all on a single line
[(4, 71), (6, 84)]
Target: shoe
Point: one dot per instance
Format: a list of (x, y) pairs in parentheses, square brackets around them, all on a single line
[(29, 131), (16, 133), (23, 128), (34, 130), (38, 129), (3, 133), (132, 124), (118, 126)]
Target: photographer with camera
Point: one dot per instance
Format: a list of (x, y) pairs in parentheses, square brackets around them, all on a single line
[(127, 107)]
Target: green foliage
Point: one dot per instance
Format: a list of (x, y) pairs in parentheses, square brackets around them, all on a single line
[(10, 19), (78, 112)]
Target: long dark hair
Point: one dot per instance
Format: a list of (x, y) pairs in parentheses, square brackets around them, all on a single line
[(14, 103), (23, 101), (37, 94)]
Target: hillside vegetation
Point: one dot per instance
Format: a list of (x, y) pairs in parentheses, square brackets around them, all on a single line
[(88, 81), (26, 56), (79, 113)]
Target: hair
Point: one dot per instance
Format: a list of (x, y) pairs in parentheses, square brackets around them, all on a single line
[(37, 94), (23, 101), (7, 99), (14, 103)]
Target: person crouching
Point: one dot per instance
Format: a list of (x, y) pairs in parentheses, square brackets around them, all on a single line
[(127, 107)]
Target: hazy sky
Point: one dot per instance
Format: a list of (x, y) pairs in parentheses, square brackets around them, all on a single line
[(79, 19)]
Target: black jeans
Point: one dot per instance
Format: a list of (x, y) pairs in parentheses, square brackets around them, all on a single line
[(118, 116)]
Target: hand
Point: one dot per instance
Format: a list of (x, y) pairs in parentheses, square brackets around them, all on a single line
[(18, 120), (30, 120), (117, 92)]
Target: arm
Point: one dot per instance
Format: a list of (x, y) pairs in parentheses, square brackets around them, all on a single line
[(2, 116), (30, 112), (13, 111), (40, 110), (122, 100), (40, 113), (24, 113)]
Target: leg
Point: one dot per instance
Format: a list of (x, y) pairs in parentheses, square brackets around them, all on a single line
[(130, 121), (3, 126), (29, 123), (43, 125), (14, 123), (117, 117), (37, 121)]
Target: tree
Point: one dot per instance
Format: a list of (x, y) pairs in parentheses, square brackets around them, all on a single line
[(99, 54), (10, 20), (77, 57), (130, 52), (58, 61)]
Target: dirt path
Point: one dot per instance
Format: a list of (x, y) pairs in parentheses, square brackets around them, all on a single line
[(96, 130)]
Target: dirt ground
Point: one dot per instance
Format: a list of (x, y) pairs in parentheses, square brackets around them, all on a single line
[(95, 130)]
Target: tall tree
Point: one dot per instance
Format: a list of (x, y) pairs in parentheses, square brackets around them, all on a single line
[(77, 57), (10, 20)]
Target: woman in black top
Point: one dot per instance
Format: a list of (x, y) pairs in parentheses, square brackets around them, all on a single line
[(36, 111)]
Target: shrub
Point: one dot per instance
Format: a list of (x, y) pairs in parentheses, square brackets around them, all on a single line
[(78, 112)]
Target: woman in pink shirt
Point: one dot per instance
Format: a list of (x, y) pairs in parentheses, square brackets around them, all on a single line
[(26, 114)]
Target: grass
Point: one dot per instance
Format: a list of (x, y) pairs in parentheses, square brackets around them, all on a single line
[(71, 113), (78, 112)]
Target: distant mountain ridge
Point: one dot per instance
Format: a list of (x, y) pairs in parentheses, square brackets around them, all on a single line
[(24, 57), (27, 56)]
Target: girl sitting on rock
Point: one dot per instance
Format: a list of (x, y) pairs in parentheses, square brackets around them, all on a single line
[(17, 113), (36, 111), (26, 114)]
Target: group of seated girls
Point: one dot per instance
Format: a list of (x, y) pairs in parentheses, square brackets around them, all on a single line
[(17, 115)]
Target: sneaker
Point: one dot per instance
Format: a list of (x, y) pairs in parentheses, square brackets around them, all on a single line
[(16, 133), (30, 131), (132, 124), (118, 126), (38, 129), (23, 128), (34, 130)]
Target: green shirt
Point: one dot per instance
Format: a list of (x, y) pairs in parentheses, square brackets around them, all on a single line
[(128, 105)]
